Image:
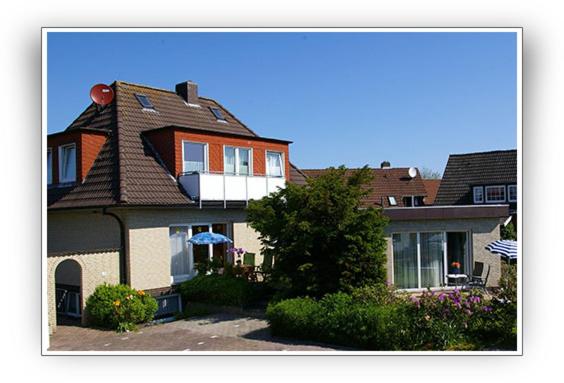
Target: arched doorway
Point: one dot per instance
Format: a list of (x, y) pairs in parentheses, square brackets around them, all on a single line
[(68, 291)]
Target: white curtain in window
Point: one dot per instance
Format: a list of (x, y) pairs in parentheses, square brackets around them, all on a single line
[(229, 160), (244, 161), (181, 259), (432, 259), (68, 164), (194, 157), (274, 164), (405, 260)]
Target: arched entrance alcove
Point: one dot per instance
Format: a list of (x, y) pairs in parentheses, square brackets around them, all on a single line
[(68, 291)]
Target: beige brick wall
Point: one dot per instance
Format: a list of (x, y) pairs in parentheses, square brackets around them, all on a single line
[(148, 239), (82, 231), (246, 237), (483, 232), (96, 268)]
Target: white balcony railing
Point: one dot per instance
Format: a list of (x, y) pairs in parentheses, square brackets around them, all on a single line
[(228, 187)]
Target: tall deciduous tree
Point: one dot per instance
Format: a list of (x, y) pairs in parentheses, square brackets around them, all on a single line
[(322, 238)]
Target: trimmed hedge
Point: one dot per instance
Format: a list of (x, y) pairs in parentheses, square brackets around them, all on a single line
[(338, 319), (217, 289), (120, 307)]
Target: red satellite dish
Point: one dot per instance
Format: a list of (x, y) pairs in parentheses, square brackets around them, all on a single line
[(101, 94)]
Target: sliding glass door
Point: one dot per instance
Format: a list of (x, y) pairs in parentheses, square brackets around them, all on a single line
[(421, 260), (432, 259), (405, 260)]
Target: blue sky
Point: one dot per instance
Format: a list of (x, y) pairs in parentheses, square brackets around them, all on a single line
[(343, 98)]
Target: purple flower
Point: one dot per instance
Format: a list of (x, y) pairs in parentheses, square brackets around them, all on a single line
[(441, 297), (474, 299), (487, 309)]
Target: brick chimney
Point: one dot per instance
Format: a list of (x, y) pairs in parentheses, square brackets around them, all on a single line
[(188, 90)]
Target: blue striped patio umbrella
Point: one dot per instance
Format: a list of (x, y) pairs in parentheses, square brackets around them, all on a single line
[(207, 238), (505, 248)]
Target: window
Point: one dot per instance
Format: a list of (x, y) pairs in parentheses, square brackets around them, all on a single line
[(49, 166), (411, 201), (423, 259), (144, 101), (237, 161), (194, 157), (67, 163), (478, 192), (495, 194), (392, 200), (405, 260), (274, 167), (512, 193), (217, 113)]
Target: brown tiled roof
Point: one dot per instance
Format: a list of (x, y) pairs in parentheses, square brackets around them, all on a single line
[(431, 186), (474, 169), (296, 175), (127, 170), (386, 182)]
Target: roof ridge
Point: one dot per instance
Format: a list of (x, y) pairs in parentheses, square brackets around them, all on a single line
[(485, 152), (122, 189)]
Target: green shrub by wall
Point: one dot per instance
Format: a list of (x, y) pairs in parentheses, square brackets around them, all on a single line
[(120, 307), (217, 289)]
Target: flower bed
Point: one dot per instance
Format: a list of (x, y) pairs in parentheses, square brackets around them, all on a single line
[(432, 321)]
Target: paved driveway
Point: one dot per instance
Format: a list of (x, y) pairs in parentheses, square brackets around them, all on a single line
[(217, 332)]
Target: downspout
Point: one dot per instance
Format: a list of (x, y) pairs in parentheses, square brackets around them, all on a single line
[(122, 260)]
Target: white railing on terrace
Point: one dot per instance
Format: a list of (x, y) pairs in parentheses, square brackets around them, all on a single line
[(210, 186)]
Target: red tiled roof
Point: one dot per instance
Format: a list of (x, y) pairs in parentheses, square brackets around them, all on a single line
[(431, 186), (386, 182)]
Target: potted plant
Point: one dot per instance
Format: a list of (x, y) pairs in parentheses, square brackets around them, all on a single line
[(455, 267)]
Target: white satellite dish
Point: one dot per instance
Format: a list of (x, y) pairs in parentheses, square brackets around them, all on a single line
[(412, 172)]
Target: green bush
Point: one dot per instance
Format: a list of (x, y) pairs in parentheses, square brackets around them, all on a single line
[(217, 289), (119, 307), (338, 319), (370, 319)]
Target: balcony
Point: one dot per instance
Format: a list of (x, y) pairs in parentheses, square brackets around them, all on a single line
[(228, 187)]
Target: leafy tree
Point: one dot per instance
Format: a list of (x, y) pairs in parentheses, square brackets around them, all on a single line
[(508, 232), (430, 174), (321, 238)]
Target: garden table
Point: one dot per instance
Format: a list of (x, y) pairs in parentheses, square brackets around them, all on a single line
[(456, 278)]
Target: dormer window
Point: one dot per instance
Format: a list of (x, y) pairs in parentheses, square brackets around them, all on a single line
[(412, 200), (145, 101), (67, 163), (478, 192), (512, 193), (218, 114), (274, 167), (495, 194), (49, 166)]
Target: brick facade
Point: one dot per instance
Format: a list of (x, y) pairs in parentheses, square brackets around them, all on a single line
[(88, 145), (168, 143)]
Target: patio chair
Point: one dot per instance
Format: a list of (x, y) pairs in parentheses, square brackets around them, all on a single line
[(477, 279), (249, 259), (265, 269)]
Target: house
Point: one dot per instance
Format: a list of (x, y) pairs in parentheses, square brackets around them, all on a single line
[(423, 241), (480, 179), (130, 182)]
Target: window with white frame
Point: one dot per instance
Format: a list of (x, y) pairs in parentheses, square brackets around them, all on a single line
[(194, 156), (495, 193), (478, 194), (238, 161), (512, 193), (274, 164), (49, 166), (67, 163)]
